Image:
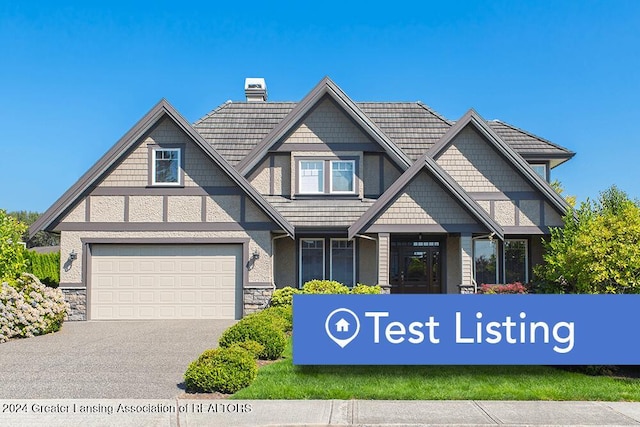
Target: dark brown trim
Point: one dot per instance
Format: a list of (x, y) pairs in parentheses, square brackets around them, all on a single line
[(87, 209), (167, 226), (526, 230), (272, 183), (166, 191), (427, 228), (380, 174), (203, 209), (516, 213), (164, 240), (165, 208), (243, 209), (330, 147), (492, 209), (126, 208), (543, 220)]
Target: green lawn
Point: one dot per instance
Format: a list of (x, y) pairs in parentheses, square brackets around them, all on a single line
[(282, 380)]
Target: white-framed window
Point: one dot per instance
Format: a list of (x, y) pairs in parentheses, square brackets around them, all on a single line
[(343, 261), (311, 176), (540, 169), (516, 261), (342, 176), (166, 166), (485, 261), (311, 260)]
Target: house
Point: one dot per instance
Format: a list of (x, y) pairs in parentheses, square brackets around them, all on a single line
[(203, 220), (342, 326)]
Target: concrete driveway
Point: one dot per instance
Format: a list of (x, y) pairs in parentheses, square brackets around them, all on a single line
[(107, 359)]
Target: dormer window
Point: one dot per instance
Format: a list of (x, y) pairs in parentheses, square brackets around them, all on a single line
[(166, 166), (326, 176), (541, 170)]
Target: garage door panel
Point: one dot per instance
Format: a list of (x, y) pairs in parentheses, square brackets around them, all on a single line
[(165, 281)]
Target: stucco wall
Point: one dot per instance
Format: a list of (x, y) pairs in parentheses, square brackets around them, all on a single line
[(146, 208), (260, 179), (425, 202)]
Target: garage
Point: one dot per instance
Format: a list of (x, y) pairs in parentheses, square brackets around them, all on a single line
[(152, 281)]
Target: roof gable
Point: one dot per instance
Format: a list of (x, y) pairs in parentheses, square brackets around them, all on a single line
[(156, 115), (326, 87), (473, 120), (442, 180)]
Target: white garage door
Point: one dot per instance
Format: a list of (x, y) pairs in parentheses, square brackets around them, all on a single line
[(165, 281)]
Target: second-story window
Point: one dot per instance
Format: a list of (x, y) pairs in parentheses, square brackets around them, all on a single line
[(166, 166), (324, 176)]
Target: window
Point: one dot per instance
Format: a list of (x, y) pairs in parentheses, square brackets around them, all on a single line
[(311, 176), (342, 176), (311, 259), (540, 169), (485, 261), (342, 261), (166, 166), (515, 261)]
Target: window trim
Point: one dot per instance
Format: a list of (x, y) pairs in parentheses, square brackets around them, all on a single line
[(547, 175), (298, 181), (324, 258), (526, 259), (353, 175), (328, 174), (152, 150), (353, 252)]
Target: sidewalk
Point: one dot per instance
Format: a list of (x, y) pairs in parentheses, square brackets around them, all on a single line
[(202, 412)]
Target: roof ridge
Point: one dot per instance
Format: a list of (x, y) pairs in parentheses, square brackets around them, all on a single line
[(539, 138), (212, 112), (435, 113)]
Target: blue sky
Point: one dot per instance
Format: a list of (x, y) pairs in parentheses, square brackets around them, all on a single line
[(75, 76)]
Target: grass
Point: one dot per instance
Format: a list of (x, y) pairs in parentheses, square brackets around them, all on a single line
[(282, 380)]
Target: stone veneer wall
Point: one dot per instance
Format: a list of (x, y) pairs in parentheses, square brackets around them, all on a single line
[(77, 299), (255, 299)]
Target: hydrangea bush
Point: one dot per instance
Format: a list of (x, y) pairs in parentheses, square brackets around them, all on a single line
[(29, 308)]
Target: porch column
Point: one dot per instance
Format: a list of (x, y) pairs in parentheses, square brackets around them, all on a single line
[(466, 258), (383, 261)]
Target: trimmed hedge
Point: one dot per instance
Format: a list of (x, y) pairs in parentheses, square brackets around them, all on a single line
[(46, 267), (283, 296), (324, 287), (225, 370), (361, 289), (258, 329)]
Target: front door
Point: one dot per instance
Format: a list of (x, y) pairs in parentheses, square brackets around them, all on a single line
[(415, 266)]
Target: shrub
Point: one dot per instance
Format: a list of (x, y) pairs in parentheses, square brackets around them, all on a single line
[(324, 287), (12, 262), (361, 289), (253, 347), (46, 267), (283, 296), (29, 308), (256, 328), (511, 288), (281, 316), (225, 370)]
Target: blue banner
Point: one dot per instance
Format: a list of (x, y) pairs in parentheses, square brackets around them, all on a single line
[(466, 329)]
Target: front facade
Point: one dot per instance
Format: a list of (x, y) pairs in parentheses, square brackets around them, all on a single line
[(205, 220)]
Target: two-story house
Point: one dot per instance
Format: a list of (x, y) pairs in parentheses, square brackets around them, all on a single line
[(204, 220)]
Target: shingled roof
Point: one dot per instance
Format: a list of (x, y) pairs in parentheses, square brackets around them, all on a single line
[(236, 128)]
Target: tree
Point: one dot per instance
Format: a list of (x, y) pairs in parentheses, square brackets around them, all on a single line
[(598, 250), (41, 238), (12, 249)]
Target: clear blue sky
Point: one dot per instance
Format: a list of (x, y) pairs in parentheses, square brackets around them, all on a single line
[(75, 76)]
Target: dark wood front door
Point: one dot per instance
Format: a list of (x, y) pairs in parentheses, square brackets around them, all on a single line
[(416, 267)]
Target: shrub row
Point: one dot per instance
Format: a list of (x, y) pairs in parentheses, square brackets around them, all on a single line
[(511, 288), (29, 308), (233, 366), (284, 296), (46, 267)]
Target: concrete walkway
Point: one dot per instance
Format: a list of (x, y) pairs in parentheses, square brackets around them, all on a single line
[(201, 412)]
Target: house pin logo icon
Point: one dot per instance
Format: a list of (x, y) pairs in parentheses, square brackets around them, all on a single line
[(342, 326)]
